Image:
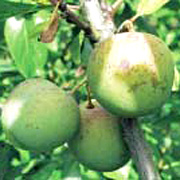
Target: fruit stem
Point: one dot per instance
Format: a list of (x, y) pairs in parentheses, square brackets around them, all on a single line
[(134, 18), (140, 151), (126, 26), (90, 105)]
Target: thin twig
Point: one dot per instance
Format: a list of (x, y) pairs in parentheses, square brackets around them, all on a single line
[(83, 82), (116, 6), (134, 18), (90, 104), (70, 6), (71, 17)]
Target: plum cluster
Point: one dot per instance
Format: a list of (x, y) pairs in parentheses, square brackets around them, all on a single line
[(130, 75)]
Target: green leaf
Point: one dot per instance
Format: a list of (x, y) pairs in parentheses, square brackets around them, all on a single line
[(146, 7), (75, 49), (5, 67), (70, 169), (42, 170), (37, 23), (7, 152), (176, 82), (86, 51), (88, 174), (8, 9), (29, 54), (120, 174)]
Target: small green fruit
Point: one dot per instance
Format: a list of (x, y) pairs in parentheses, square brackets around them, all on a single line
[(99, 144), (131, 74), (38, 116)]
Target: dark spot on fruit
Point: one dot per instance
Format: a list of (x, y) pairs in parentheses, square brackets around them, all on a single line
[(154, 79), (161, 53), (124, 65), (135, 86), (81, 137), (87, 131), (163, 86), (31, 125), (37, 127)]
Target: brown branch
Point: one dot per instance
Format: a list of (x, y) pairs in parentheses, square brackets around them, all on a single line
[(140, 150), (71, 17), (100, 22)]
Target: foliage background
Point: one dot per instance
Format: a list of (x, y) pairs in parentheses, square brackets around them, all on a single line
[(61, 62)]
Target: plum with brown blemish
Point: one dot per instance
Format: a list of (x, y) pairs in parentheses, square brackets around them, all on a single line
[(131, 73)]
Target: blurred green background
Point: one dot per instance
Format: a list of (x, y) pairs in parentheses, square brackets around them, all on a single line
[(63, 62)]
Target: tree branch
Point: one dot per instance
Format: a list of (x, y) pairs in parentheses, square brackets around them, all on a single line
[(98, 23), (71, 17), (140, 150), (102, 27)]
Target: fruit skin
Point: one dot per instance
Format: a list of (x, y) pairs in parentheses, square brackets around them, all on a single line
[(131, 74), (99, 144), (39, 116)]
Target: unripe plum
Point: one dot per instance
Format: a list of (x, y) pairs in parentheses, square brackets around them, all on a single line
[(39, 116), (99, 145), (131, 73)]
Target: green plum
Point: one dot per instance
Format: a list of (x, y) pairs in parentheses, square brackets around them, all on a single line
[(99, 145), (131, 73), (39, 116)]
